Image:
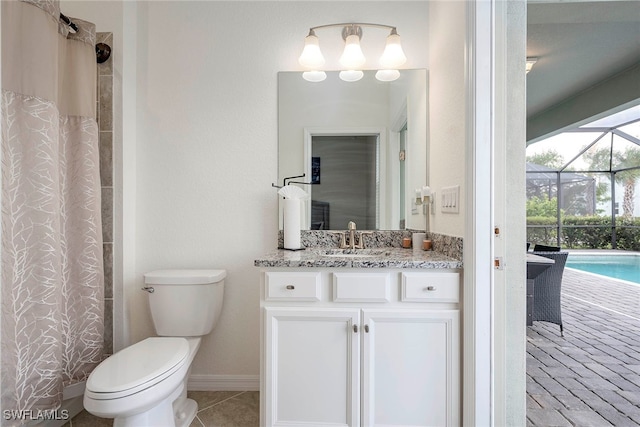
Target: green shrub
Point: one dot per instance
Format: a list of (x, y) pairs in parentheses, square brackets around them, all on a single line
[(545, 231), (585, 232)]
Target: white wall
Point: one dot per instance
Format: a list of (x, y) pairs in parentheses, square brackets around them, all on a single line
[(201, 155), (447, 108), (416, 174)]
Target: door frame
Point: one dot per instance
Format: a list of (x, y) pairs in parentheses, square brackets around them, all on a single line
[(380, 132)]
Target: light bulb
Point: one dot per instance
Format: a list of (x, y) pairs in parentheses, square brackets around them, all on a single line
[(352, 56), (387, 75), (351, 75), (311, 56), (393, 56), (314, 76)]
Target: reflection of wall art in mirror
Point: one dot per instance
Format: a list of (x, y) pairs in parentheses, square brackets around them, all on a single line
[(315, 170), (367, 107)]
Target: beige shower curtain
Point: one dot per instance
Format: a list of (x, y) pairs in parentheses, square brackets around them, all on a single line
[(52, 278)]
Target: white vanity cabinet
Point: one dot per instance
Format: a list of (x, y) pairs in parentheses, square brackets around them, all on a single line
[(360, 347)]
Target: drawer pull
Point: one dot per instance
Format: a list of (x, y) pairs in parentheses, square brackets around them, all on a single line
[(366, 328), (355, 329), (430, 288), (291, 287)]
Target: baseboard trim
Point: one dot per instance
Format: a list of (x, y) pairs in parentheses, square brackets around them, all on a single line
[(224, 383)]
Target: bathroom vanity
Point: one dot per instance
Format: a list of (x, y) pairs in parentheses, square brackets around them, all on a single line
[(360, 338)]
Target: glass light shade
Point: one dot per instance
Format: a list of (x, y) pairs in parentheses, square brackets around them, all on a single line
[(351, 75), (352, 56), (387, 75), (314, 76), (393, 56), (311, 56)]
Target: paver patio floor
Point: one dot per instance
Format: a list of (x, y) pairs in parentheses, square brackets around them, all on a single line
[(591, 377)]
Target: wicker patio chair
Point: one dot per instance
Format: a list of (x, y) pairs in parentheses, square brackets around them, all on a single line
[(546, 292)]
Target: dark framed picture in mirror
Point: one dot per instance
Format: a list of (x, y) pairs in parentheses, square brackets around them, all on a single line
[(315, 170)]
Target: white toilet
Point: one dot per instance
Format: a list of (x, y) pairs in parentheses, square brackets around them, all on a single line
[(146, 384)]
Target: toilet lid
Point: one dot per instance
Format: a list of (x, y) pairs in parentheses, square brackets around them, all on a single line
[(184, 277), (139, 366)]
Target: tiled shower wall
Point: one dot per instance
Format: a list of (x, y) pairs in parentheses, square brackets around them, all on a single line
[(105, 125)]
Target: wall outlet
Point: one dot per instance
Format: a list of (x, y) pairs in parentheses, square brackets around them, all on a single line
[(450, 199)]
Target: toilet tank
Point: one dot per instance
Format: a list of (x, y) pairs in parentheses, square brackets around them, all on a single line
[(185, 303)]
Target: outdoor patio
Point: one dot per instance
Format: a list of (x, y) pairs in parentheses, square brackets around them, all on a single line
[(591, 377)]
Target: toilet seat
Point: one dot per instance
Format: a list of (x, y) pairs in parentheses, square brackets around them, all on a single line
[(137, 368)]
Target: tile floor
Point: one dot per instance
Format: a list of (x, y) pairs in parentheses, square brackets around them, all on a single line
[(215, 408), (591, 377)]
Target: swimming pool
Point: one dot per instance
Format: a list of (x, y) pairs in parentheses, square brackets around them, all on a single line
[(625, 267)]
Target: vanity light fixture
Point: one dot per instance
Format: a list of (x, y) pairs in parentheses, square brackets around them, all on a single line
[(352, 58), (311, 56), (530, 62)]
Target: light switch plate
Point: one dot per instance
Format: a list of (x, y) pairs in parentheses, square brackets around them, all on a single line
[(450, 199)]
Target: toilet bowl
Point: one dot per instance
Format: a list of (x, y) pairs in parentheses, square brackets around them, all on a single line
[(145, 384)]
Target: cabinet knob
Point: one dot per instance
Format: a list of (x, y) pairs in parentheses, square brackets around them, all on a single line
[(366, 328), (355, 329), (430, 288), (290, 287)]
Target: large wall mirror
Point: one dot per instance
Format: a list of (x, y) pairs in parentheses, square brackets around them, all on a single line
[(361, 145)]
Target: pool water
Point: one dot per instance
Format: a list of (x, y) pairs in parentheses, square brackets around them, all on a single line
[(625, 267)]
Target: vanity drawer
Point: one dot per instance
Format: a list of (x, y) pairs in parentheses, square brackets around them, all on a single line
[(361, 287), (292, 286), (430, 287)]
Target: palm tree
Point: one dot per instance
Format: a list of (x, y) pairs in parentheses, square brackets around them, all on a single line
[(630, 159), (627, 171)]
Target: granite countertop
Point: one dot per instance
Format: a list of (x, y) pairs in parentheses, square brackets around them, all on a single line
[(390, 257)]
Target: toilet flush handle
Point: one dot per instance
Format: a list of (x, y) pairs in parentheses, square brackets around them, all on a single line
[(148, 289)]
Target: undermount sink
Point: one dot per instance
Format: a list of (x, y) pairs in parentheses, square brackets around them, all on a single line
[(352, 253)]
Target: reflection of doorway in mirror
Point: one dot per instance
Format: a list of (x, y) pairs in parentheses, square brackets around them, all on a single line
[(401, 178), (349, 189)]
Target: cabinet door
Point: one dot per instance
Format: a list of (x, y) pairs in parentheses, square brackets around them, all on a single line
[(312, 367), (411, 369)]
